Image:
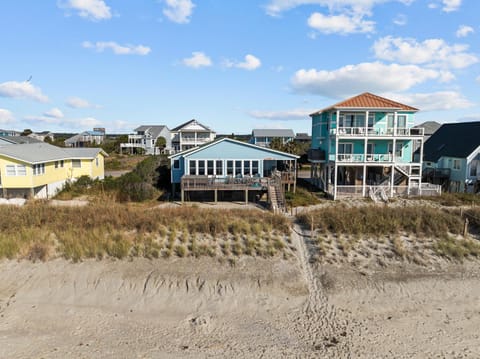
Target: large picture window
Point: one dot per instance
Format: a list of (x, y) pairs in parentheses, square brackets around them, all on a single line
[(201, 168), (210, 167), (219, 167), (229, 168)]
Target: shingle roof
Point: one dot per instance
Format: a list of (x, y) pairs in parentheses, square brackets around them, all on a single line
[(452, 140), (430, 127), (367, 100), (272, 132), (43, 152), (153, 129), (20, 139)]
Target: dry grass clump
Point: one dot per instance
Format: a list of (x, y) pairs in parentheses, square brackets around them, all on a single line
[(458, 249), (380, 221), (38, 231)]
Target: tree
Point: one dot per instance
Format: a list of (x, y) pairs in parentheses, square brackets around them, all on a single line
[(161, 142), (26, 132)]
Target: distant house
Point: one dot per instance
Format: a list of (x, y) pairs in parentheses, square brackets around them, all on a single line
[(191, 134), (227, 169), (9, 133), (41, 136), (451, 157), (86, 139), (39, 170), (302, 137), (17, 140), (363, 146), (145, 138), (263, 137)]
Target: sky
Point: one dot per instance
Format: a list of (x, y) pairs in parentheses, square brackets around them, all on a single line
[(233, 65)]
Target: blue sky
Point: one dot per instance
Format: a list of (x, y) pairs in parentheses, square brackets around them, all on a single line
[(71, 65)]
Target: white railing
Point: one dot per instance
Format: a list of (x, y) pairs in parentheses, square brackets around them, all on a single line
[(136, 137), (351, 157), (371, 131)]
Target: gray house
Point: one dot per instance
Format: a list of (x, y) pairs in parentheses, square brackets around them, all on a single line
[(452, 157), (145, 138), (263, 137)]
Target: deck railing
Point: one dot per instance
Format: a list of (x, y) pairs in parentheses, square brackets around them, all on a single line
[(372, 131), (425, 189)]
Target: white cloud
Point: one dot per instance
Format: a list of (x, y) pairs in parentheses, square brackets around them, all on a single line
[(118, 49), (54, 113), (434, 52), (400, 20), (6, 117), (25, 89), (435, 101), (341, 24), (179, 11), (77, 102), (451, 5), (464, 30), (295, 114), (370, 76), (90, 9), (77, 123), (251, 63), (361, 7), (198, 59)]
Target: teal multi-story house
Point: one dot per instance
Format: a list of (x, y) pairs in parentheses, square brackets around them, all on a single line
[(364, 146)]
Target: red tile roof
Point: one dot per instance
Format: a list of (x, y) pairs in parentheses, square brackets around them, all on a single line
[(367, 100)]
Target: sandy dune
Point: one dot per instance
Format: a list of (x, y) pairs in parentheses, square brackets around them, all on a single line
[(194, 308)]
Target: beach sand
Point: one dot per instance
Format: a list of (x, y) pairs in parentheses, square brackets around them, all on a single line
[(250, 308)]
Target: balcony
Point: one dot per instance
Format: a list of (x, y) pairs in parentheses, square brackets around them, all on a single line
[(360, 158), (136, 137), (376, 132)]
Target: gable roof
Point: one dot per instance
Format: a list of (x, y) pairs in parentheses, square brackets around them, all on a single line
[(452, 140), (43, 152), (367, 100), (193, 123), (153, 129), (226, 139), (429, 127), (264, 132)]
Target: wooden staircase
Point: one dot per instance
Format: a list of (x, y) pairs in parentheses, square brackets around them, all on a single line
[(276, 195)]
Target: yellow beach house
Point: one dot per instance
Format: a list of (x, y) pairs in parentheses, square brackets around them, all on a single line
[(39, 170)]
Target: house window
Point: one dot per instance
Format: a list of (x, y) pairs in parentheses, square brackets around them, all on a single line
[(96, 161), (21, 170), (370, 148), (193, 167), (254, 168), (219, 168), (398, 149), (473, 168), (229, 168), (401, 121), (201, 168), (246, 167), (176, 164), (345, 148), (371, 119), (39, 169), (238, 168), (56, 164), (10, 169), (210, 168), (456, 165), (76, 163)]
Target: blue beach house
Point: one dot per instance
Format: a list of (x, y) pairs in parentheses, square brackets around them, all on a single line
[(364, 146), (228, 169)]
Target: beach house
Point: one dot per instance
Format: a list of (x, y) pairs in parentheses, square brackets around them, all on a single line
[(191, 134), (452, 157), (86, 138), (145, 140), (363, 146), (227, 169), (39, 170), (264, 137)]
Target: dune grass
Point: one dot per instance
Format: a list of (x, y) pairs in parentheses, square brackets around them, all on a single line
[(38, 231)]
